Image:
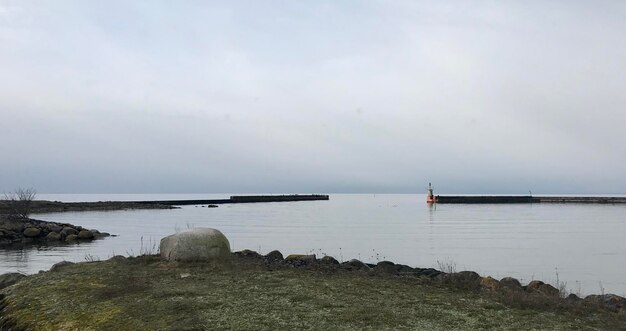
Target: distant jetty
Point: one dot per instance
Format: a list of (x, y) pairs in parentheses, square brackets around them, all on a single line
[(43, 206), (486, 199), (489, 199), (240, 199)]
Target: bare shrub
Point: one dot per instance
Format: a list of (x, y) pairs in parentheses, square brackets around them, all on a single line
[(448, 267), (19, 201)]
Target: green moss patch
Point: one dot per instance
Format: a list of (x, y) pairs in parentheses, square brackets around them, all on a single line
[(148, 294)]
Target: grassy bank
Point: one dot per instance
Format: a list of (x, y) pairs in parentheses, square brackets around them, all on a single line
[(148, 294)]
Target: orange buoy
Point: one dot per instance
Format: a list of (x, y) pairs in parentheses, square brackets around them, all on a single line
[(430, 198)]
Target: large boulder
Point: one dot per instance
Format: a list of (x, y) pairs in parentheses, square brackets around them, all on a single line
[(197, 244)]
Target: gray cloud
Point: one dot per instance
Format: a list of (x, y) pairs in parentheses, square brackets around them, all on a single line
[(312, 96)]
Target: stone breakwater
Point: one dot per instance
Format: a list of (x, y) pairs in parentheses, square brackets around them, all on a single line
[(508, 287), (15, 232)]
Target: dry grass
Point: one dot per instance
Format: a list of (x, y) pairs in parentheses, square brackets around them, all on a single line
[(145, 293)]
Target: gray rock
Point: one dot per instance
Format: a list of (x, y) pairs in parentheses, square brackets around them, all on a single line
[(354, 264), (573, 297), (9, 279), (610, 301), (59, 265), (469, 276), (197, 244), (404, 269), (71, 237), (462, 278), (533, 286), (329, 260), (118, 258), (32, 232), (548, 290), (428, 272), (85, 234), (301, 259), (53, 236), (386, 267), (249, 254), (68, 231), (511, 283), (54, 228), (274, 256)]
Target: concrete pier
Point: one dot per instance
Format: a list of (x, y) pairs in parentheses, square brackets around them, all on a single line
[(240, 199), (497, 199)]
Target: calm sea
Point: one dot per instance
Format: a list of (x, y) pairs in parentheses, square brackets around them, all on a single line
[(582, 245)]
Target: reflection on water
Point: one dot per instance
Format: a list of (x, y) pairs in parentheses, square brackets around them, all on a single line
[(583, 243)]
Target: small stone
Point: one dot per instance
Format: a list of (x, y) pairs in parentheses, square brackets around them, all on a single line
[(32, 232), (184, 275), (71, 237), (59, 265), (212, 206)]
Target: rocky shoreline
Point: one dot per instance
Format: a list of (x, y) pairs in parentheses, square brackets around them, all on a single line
[(464, 279), (19, 232), (103, 289), (44, 206)]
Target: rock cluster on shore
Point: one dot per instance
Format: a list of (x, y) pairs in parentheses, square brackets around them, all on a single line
[(465, 279), (15, 231)]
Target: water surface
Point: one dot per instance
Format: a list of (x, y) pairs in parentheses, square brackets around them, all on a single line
[(583, 244)]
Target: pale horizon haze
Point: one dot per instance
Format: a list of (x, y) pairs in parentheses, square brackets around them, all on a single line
[(313, 96)]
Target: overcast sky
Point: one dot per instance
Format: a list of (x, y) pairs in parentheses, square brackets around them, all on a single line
[(313, 96)]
